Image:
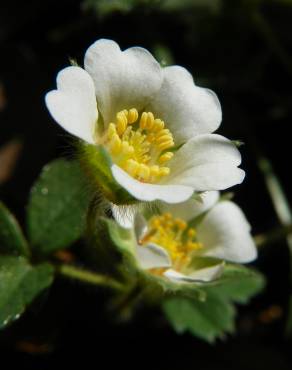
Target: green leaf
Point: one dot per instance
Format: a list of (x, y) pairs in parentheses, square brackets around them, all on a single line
[(12, 240), (57, 206), (207, 320), (20, 283), (214, 316), (238, 284)]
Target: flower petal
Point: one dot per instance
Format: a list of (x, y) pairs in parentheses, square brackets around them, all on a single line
[(152, 256), (192, 207), (123, 80), (73, 104), (225, 234), (131, 217), (150, 192), (203, 275), (207, 162), (188, 110), (124, 215)]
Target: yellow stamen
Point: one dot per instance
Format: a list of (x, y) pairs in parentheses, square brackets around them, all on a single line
[(175, 236), (165, 157), (139, 147)]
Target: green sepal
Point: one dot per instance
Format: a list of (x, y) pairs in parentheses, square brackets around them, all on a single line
[(20, 284), (56, 214), (96, 163), (12, 240), (115, 247)]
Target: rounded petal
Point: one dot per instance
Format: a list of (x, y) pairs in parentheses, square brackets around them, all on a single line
[(207, 162), (73, 104), (150, 192), (203, 275), (152, 256), (123, 80), (225, 234), (192, 207), (188, 110)]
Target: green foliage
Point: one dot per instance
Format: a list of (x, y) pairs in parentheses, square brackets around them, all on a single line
[(57, 207), (238, 283), (107, 7), (206, 320), (214, 317), (11, 236), (20, 283)]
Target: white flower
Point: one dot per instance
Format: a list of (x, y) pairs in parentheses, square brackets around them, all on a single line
[(155, 123), (191, 241)]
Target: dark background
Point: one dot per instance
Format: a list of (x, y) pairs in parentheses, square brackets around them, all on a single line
[(241, 50)]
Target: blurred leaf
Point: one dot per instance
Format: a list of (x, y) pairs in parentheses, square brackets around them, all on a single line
[(163, 55), (105, 7), (173, 5), (57, 206), (20, 283), (289, 318), (207, 320), (11, 236)]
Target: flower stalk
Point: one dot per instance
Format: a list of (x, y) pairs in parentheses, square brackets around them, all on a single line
[(89, 277)]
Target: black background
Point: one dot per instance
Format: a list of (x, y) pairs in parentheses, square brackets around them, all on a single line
[(248, 65)]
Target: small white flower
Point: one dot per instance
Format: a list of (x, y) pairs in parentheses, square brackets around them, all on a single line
[(191, 241), (155, 123)]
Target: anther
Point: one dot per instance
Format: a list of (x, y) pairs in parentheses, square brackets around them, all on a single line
[(143, 120), (157, 125), (132, 115), (132, 167), (164, 171), (150, 120), (121, 122), (165, 157), (144, 172)]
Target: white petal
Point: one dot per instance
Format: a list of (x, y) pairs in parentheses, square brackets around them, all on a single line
[(150, 192), (73, 104), (123, 80), (225, 234), (188, 110), (124, 215), (207, 162), (203, 275), (192, 207), (152, 256), (140, 226)]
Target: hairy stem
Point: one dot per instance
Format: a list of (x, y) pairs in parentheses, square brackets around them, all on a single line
[(89, 277)]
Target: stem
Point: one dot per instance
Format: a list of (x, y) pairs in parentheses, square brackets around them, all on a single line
[(267, 33), (279, 200), (88, 277), (273, 236)]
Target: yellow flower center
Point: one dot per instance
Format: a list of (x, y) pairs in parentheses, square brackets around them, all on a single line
[(140, 144), (175, 236)]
